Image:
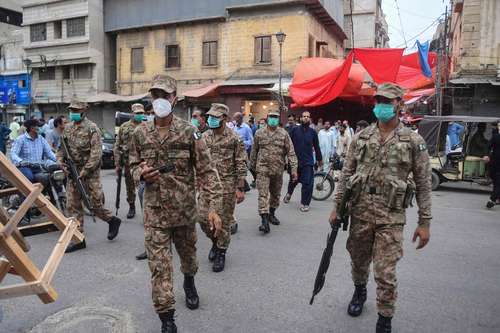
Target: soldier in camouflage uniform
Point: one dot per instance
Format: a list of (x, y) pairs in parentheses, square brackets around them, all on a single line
[(377, 170), (271, 148), (170, 211), (84, 143), (121, 153), (228, 155)]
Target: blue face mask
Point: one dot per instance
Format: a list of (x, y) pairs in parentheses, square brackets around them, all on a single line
[(384, 112), (73, 116), (273, 122), (213, 122), (195, 122)]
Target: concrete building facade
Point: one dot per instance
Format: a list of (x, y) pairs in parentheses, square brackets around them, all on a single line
[(474, 49), (68, 50), (370, 26), (220, 41)]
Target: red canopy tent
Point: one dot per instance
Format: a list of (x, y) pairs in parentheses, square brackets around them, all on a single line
[(318, 81)]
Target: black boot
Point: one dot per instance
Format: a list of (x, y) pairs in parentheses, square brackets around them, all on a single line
[(192, 299), (142, 256), (131, 212), (264, 227), (220, 260), (383, 324), (114, 227), (358, 300), (212, 253), (490, 204), (75, 247), (272, 218), (234, 228), (167, 322)]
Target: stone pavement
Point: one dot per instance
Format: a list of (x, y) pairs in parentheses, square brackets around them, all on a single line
[(450, 286)]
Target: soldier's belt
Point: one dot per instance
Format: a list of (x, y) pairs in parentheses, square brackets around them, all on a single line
[(373, 190)]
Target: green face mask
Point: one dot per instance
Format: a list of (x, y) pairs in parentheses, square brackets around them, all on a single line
[(73, 116), (273, 122), (195, 122), (139, 117)]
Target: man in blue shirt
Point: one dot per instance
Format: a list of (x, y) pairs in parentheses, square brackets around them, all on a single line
[(244, 131), (30, 151), (305, 140), (455, 130)]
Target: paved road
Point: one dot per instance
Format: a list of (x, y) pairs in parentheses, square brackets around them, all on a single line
[(451, 286)]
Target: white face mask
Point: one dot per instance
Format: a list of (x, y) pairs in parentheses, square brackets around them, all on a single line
[(150, 117), (162, 107)]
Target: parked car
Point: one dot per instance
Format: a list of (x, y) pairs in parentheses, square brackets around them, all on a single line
[(108, 141)]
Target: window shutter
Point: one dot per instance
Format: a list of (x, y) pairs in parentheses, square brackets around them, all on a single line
[(266, 52), (206, 54), (213, 53), (257, 49)]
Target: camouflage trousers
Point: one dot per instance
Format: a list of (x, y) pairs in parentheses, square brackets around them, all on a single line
[(269, 187), (96, 196), (130, 185), (227, 216), (158, 242), (382, 244)]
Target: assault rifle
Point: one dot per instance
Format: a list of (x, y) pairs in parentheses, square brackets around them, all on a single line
[(74, 174)]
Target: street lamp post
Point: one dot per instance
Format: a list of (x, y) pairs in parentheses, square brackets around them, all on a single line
[(27, 63), (280, 37)]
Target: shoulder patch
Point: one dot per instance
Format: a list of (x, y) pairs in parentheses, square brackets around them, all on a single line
[(422, 147), (197, 135)]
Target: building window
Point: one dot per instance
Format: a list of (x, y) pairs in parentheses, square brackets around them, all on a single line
[(137, 60), (66, 72), (75, 27), (173, 56), (83, 71), (57, 30), (47, 73), (210, 53), (38, 32), (263, 50)]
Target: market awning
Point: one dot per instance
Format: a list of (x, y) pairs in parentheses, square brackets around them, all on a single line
[(203, 91)]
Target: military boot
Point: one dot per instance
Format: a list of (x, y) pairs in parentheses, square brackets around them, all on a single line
[(264, 227), (168, 322), (234, 228), (142, 256), (220, 260), (358, 300), (114, 227), (76, 246), (272, 218), (192, 299), (383, 324), (131, 212), (212, 253)]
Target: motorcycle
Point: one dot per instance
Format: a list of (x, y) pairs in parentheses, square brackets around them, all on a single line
[(324, 182), (53, 180)]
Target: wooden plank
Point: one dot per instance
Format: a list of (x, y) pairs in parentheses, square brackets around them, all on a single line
[(4, 269), (21, 211), (16, 234), (58, 252), (24, 266), (37, 229), (8, 191), (21, 289)]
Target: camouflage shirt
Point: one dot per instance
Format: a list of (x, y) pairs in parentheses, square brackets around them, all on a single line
[(123, 141), (228, 155), (379, 175), (175, 192), (84, 145), (270, 151)]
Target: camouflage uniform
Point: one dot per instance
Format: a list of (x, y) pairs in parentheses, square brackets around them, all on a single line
[(170, 211), (378, 174), (270, 150), (229, 157), (85, 147), (121, 150)]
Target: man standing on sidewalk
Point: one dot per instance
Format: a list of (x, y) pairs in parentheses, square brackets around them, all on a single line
[(305, 142)]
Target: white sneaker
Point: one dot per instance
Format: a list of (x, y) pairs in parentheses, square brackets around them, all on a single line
[(304, 209)]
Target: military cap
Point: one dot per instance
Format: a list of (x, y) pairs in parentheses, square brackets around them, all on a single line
[(78, 105), (274, 112), (137, 108), (389, 90), (164, 82), (218, 110)]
